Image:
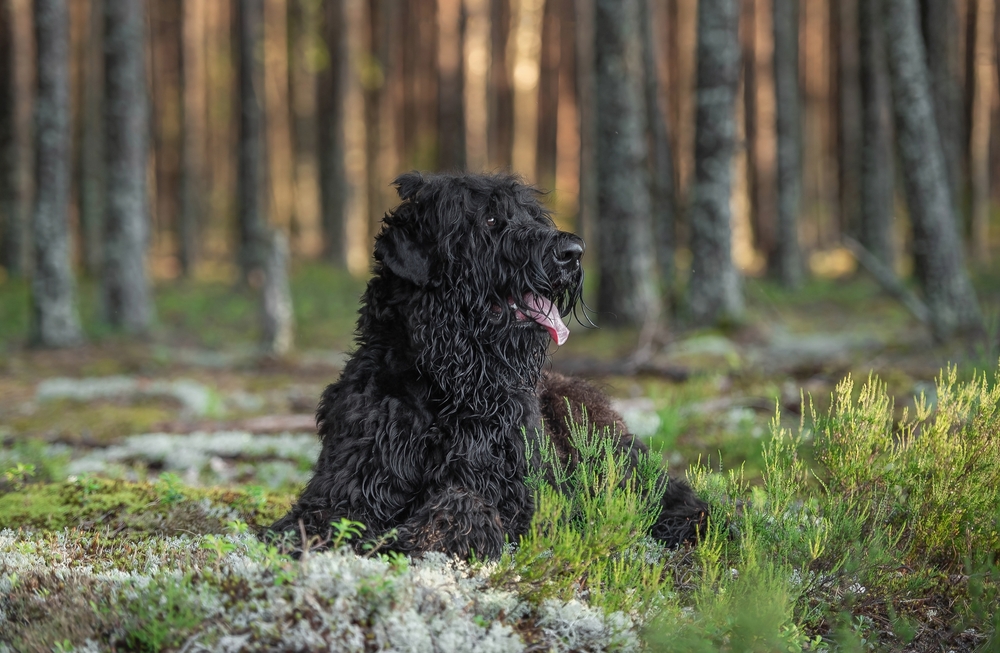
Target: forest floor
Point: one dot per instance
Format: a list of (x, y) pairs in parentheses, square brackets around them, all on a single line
[(194, 406)]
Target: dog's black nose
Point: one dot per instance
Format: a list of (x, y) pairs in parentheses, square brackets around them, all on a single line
[(569, 252)]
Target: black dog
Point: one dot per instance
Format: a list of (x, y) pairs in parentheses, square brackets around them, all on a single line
[(425, 430)]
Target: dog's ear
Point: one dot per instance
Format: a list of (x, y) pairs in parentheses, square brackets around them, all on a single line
[(397, 252), (407, 184)]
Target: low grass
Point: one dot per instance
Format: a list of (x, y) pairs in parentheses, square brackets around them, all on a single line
[(865, 532)]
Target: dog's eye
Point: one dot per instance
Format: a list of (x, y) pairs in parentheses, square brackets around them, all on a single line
[(491, 221)]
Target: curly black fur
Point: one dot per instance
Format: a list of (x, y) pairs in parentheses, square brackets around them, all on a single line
[(425, 430)]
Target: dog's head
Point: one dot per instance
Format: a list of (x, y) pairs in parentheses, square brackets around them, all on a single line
[(484, 262)]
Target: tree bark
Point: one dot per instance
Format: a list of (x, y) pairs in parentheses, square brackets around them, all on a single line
[(451, 117), (548, 97), (125, 292), (661, 164), (939, 21), (330, 124), (849, 144), (55, 322), (786, 264), (877, 174), (194, 134), (501, 98), (14, 155), (91, 157), (277, 316), (714, 289), (979, 138), (936, 246), (628, 288), (252, 181)]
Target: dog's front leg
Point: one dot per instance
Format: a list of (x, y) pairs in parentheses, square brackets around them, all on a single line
[(456, 521)]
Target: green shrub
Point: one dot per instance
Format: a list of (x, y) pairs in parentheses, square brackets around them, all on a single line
[(588, 536)]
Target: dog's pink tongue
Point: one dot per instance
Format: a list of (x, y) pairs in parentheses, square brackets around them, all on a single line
[(541, 310)]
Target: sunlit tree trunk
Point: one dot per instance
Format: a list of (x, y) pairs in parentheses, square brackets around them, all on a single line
[(661, 163), (877, 174), (936, 246), (252, 182), (979, 139), (628, 289), (330, 125), (125, 291), (786, 264), (55, 322), (714, 289)]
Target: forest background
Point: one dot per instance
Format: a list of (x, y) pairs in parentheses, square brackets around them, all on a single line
[(775, 194)]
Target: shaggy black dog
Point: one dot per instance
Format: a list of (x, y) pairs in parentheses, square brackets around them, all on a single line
[(425, 430)]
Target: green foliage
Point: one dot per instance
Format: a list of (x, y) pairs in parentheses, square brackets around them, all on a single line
[(588, 533), (933, 475), (163, 614)]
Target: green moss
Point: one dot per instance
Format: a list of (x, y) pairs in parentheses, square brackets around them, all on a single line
[(161, 507), (100, 421)]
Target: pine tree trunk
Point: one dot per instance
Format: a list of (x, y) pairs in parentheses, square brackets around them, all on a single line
[(936, 246), (979, 139), (193, 135), (628, 289), (125, 291), (663, 199), (91, 169), (13, 147), (877, 174), (548, 97), (277, 316), (714, 289), (501, 100), (55, 322), (939, 21), (786, 264), (849, 143), (451, 116), (252, 182), (330, 125)]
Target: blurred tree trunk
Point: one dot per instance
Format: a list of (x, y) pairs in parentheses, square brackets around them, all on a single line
[(14, 144), (628, 288), (125, 292), (979, 138), (786, 264), (252, 182), (165, 29), (193, 134), (548, 97), (587, 217), (661, 164), (55, 322), (936, 246), (305, 37), (715, 294), (330, 126), (877, 174), (939, 21), (91, 155), (849, 145), (451, 117), (501, 99)]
